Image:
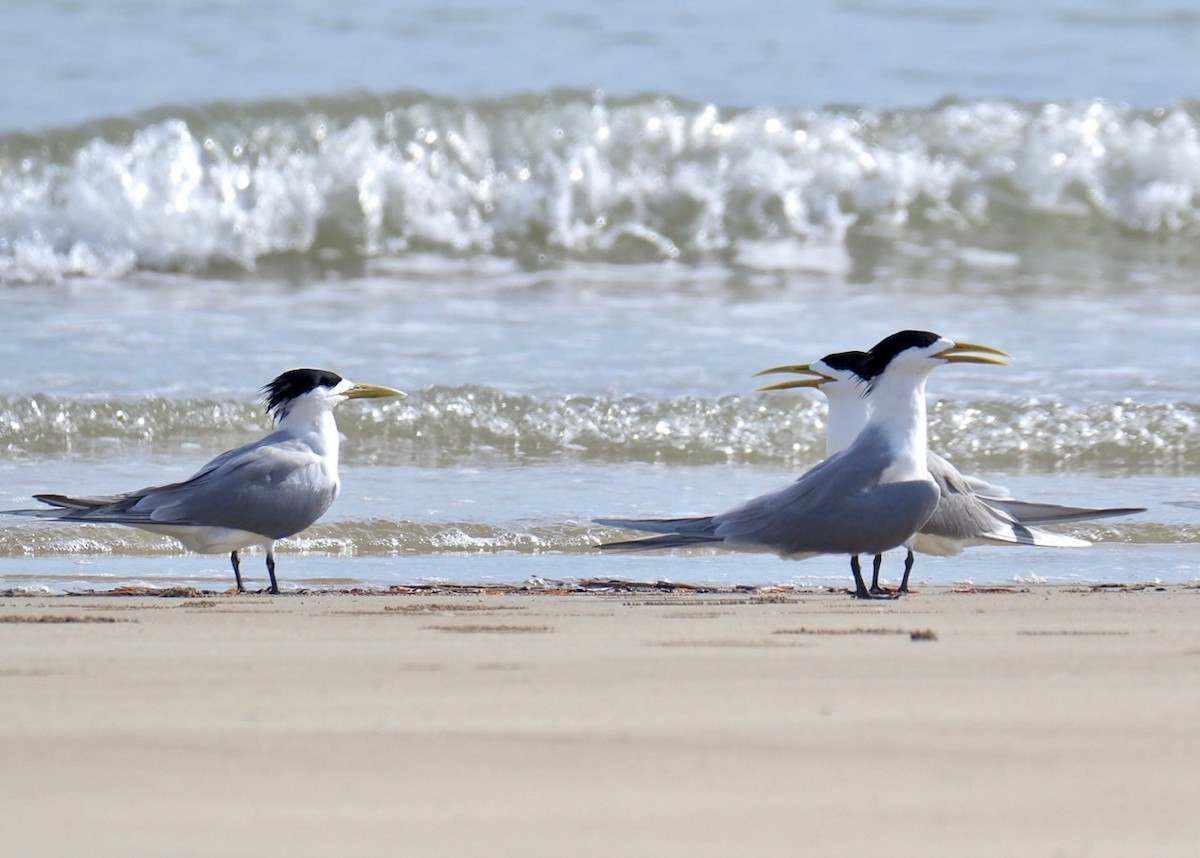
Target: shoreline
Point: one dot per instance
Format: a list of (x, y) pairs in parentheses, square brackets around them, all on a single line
[(991, 721), (594, 586)]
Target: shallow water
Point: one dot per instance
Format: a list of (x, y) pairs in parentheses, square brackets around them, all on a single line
[(575, 263)]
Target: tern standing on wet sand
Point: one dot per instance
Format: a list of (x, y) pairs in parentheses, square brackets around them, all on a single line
[(251, 495), (869, 498)]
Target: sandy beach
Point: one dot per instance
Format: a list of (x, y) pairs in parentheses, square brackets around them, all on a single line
[(1031, 721)]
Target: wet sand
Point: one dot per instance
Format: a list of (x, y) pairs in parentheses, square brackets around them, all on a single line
[(1042, 721)]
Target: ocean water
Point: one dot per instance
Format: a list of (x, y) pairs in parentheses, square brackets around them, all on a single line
[(572, 236)]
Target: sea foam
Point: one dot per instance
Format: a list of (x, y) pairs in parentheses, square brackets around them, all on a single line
[(575, 176)]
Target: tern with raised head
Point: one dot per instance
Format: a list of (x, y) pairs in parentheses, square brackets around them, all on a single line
[(970, 511), (252, 495), (866, 499)]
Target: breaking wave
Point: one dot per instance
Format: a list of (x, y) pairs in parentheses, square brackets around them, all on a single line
[(567, 176)]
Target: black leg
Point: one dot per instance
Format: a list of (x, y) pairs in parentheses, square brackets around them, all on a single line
[(860, 587), (271, 571), (908, 565), (237, 570), (875, 588)]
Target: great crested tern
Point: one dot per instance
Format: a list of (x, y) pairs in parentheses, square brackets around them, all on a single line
[(866, 499), (252, 495), (971, 511)]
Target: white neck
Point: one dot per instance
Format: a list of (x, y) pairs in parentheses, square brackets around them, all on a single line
[(313, 423), (897, 409), (848, 414)]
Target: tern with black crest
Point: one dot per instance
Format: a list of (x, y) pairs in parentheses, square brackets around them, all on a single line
[(970, 511), (250, 496), (866, 499)]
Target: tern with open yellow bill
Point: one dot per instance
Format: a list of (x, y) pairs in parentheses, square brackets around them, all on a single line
[(866, 499), (970, 511)]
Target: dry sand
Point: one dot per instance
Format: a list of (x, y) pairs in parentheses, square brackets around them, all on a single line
[(1048, 721)]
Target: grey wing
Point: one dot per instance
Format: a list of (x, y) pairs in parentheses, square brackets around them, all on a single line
[(960, 514), (837, 507), (1033, 512), (978, 486), (963, 518), (665, 540), (676, 532), (108, 507), (275, 489), (772, 519), (1024, 512), (688, 524)]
